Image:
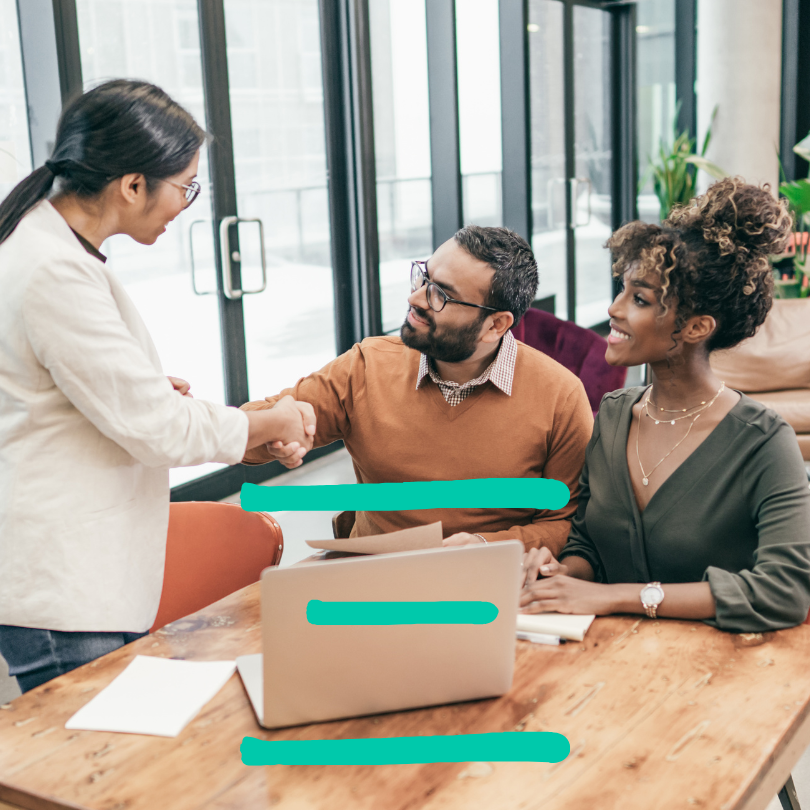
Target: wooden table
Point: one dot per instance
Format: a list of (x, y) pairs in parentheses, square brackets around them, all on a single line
[(659, 714)]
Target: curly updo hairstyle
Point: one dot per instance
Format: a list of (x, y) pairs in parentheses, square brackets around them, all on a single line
[(711, 257)]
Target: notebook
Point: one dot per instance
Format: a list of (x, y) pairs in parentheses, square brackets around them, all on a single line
[(571, 626)]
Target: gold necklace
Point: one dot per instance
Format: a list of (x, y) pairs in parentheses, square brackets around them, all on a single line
[(683, 410), (700, 408), (645, 477)]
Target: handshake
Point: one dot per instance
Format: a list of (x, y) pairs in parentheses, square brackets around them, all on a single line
[(287, 431)]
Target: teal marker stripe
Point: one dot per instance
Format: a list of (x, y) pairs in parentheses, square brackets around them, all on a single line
[(508, 746), (365, 613), (476, 493)]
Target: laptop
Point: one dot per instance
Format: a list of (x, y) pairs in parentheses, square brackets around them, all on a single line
[(309, 673)]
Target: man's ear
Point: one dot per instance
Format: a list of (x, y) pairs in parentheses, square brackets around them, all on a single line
[(501, 321), (132, 187), (698, 328)]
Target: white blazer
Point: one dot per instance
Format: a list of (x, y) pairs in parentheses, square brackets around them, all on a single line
[(89, 427)]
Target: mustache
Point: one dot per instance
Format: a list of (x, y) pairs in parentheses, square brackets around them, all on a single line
[(422, 313)]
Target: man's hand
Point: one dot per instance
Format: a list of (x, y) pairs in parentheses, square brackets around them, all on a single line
[(462, 539), (540, 562), (564, 594), (291, 455), (286, 430), (181, 386)]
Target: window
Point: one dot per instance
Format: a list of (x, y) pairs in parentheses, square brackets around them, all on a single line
[(401, 146), (15, 149)]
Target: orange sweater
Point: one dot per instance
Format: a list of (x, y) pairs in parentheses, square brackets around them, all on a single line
[(394, 433)]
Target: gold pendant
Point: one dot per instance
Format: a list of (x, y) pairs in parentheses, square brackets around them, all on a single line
[(645, 481)]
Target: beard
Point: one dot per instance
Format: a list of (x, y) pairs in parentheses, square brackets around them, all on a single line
[(446, 346)]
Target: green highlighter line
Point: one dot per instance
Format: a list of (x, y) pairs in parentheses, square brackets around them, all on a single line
[(508, 746), (389, 613), (475, 493)]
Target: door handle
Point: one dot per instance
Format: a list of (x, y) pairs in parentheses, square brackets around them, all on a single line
[(575, 181), (550, 197), (229, 256), (191, 254)]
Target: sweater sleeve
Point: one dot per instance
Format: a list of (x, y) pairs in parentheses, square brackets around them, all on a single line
[(579, 540), (76, 332), (775, 592), (573, 425), (330, 391)]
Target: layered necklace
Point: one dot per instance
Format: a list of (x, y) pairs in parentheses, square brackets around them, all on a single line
[(692, 413)]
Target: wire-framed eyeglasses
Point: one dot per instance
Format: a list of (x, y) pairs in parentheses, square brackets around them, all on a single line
[(436, 296), (191, 191)]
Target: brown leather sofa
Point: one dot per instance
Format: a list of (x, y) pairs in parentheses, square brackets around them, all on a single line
[(773, 367)]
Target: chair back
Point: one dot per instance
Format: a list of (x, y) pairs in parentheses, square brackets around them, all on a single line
[(776, 358), (212, 550), (342, 524), (580, 350)]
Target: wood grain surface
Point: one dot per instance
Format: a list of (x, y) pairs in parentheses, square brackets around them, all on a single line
[(659, 714)]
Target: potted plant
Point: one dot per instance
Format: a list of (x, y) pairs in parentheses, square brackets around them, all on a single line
[(674, 170), (791, 271)]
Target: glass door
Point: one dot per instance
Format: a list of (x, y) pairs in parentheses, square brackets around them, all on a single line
[(571, 156), (159, 41), (279, 154), (15, 150), (591, 193), (401, 148), (547, 108), (280, 325)]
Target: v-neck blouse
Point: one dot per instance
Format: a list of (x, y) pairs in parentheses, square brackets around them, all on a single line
[(736, 513)]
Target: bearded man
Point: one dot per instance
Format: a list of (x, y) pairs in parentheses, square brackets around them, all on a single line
[(456, 396)]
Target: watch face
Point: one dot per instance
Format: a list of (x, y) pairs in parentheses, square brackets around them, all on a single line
[(652, 595)]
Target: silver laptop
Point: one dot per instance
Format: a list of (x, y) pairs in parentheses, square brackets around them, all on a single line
[(309, 673)]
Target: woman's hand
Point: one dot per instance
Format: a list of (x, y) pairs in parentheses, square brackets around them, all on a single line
[(463, 539), (541, 562), (181, 386), (564, 594)]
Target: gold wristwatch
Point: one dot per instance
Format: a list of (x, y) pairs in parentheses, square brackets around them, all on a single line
[(652, 594)]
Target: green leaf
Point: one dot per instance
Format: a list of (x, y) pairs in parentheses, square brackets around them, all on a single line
[(798, 195), (708, 139), (802, 148), (710, 168)]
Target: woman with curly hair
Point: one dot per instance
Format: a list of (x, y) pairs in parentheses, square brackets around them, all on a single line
[(687, 482)]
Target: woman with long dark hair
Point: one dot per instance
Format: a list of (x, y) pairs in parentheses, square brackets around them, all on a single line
[(694, 501), (89, 426)]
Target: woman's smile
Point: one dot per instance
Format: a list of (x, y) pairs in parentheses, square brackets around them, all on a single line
[(616, 335)]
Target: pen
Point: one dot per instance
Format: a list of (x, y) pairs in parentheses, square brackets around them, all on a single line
[(538, 638)]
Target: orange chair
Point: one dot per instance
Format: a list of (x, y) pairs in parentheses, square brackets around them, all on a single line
[(212, 550)]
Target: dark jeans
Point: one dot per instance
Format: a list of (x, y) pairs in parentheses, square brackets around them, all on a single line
[(35, 656)]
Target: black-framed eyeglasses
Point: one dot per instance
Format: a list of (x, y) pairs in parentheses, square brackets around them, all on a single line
[(191, 191), (436, 296)]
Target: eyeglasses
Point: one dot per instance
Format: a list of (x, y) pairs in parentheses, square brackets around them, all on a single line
[(436, 296), (191, 191)]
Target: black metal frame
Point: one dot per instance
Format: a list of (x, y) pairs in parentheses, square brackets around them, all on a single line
[(802, 87), (211, 15), (516, 127), (445, 149), (686, 68), (351, 163), (52, 67)]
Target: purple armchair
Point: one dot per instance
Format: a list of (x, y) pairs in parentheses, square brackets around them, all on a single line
[(579, 350)]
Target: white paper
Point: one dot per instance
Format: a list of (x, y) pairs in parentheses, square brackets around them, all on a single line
[(159, 696), (572, 626), (415, 539)]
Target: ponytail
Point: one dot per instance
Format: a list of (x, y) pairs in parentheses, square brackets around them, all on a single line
[(23, 197), (120, 127)]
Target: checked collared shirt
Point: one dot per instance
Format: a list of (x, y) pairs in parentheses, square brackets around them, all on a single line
[(500, 373)]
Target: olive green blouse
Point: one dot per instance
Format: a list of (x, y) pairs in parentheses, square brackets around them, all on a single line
[(736, 513)]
